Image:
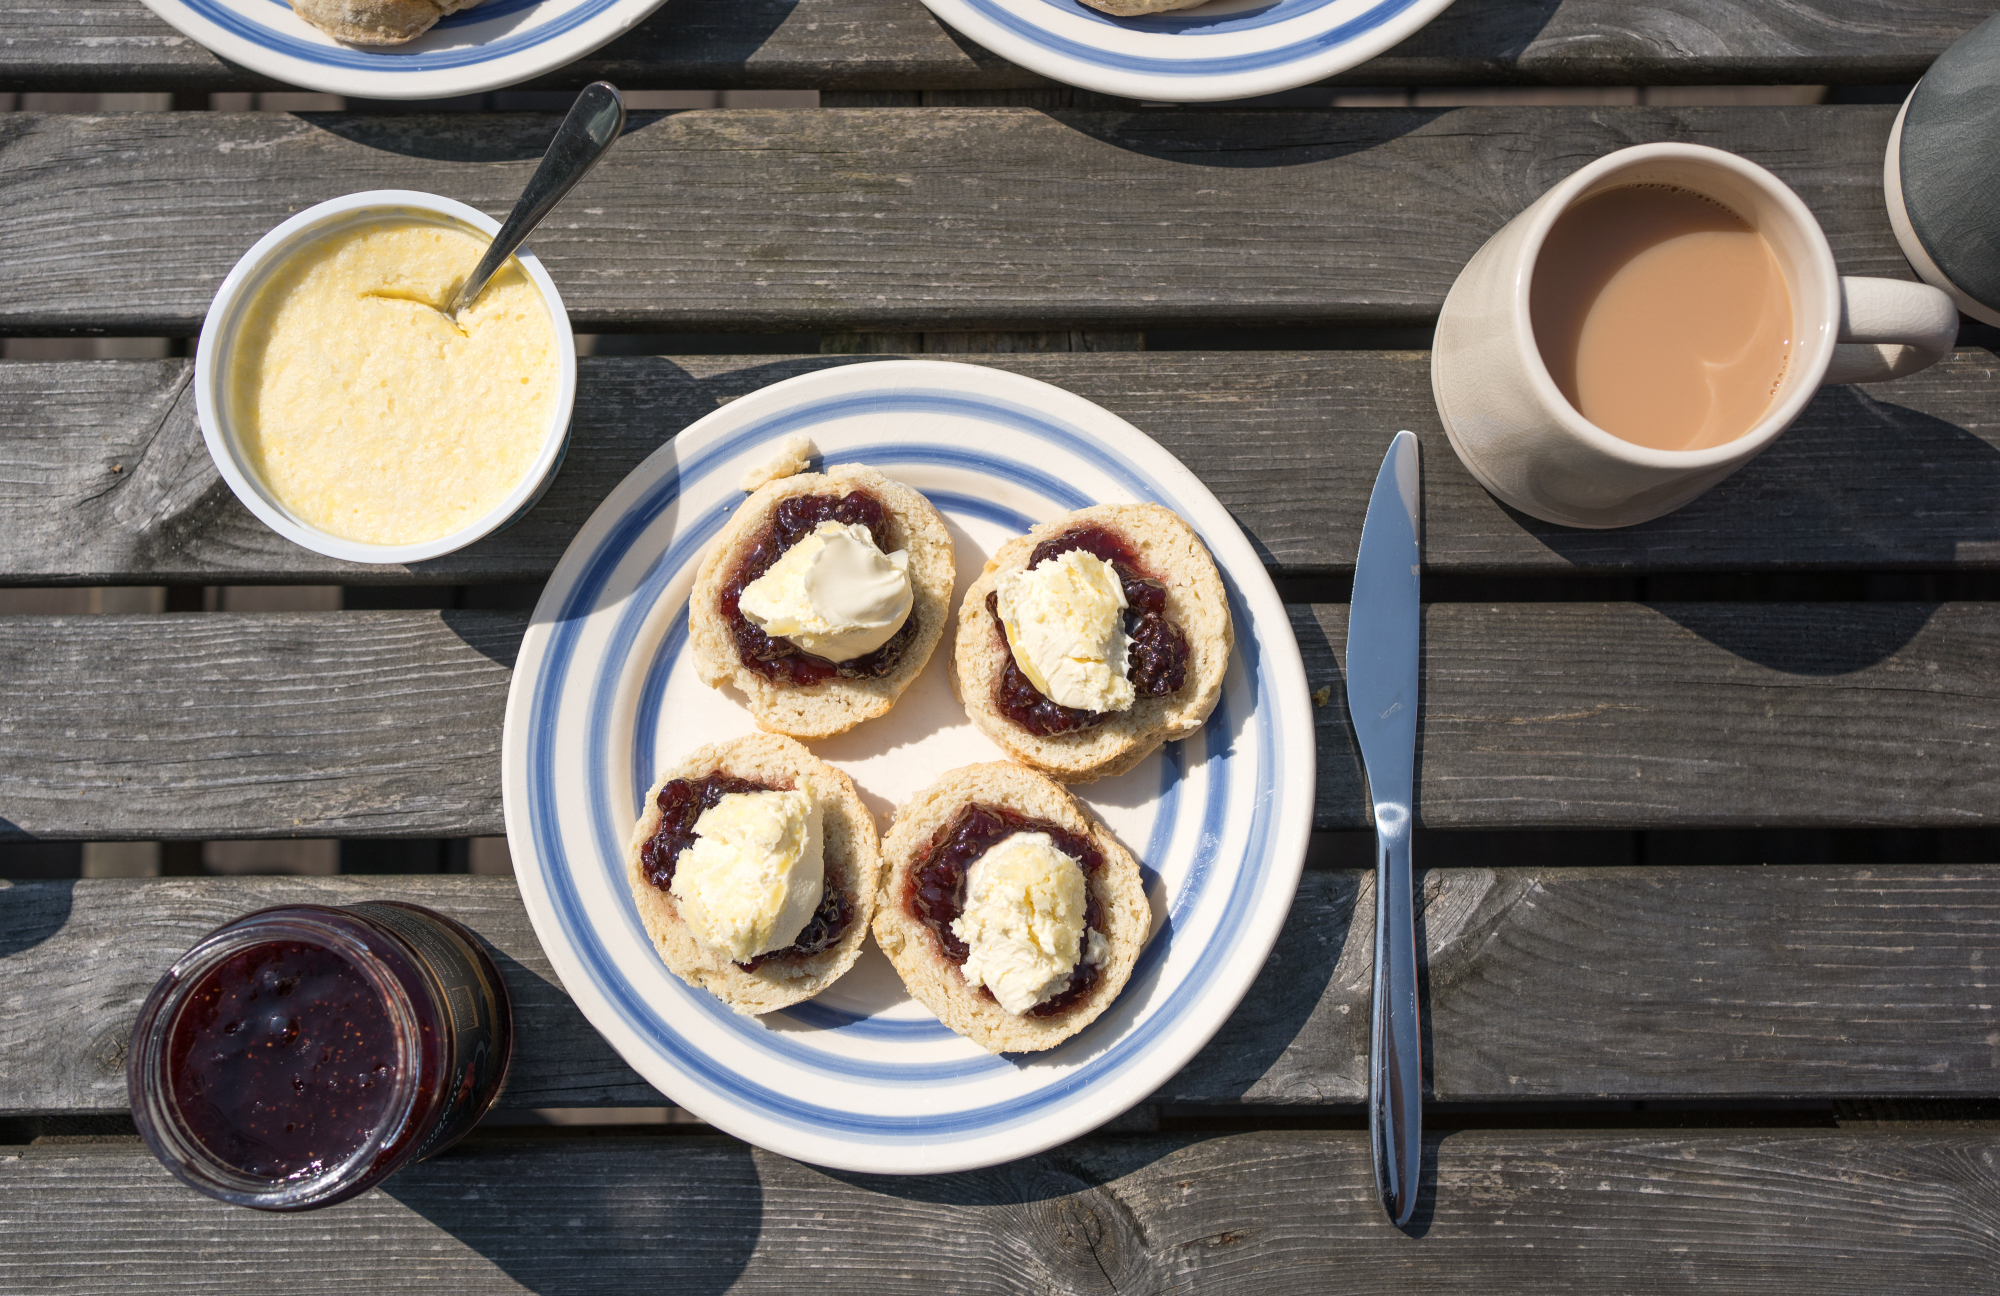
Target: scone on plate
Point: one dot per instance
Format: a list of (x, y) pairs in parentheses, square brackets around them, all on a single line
[(755, 868), (376, 22), (1091, 640), (1133, 8), (822, 599), (1007, 910)]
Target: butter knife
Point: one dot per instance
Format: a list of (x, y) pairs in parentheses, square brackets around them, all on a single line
[(1382, 636)]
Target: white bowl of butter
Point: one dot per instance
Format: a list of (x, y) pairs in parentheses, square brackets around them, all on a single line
[(355, 418)]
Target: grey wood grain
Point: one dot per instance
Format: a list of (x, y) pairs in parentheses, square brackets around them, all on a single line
[(1561, 715), (80, 957), (352, 724), (104, 478), (1276, 1212), (895, 44), (1545, 983), (887, 220), (1716, 715), (1552, 983)]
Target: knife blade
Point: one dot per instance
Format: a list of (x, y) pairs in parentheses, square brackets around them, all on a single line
[(1383, 628)]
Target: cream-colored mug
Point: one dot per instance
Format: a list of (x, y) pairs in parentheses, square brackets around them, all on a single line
[(1529, 446)]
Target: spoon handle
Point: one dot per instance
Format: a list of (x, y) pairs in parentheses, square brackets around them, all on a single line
[(591, 127)]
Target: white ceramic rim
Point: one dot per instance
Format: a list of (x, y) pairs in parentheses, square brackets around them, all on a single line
[(1081, 1109), (552, 51), (1191, 86), (1813, 345), (249, 273)]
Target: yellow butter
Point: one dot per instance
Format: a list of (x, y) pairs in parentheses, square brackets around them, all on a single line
[(755, 872), (1023, 921), (1065, 621), (833, 593), (365, 411)]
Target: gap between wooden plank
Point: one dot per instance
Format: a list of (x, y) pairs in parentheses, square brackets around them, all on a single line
[(1540, 984), (895, 44), (104, 477), (1831, 1213), (1535, 715)]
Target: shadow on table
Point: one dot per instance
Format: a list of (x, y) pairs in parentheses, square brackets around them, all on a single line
[(678, 1215), (1481, 29), (496, 636), (31, 913), (471, 136), (1819, 639), (1205, 137), (1063, 1209), (1294, 1006), (1857, 482)]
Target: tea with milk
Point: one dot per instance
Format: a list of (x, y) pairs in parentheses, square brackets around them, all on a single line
[(1662, 315)]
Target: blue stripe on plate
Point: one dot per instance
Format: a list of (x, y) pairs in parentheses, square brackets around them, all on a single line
[(1220, 65), (623, 996), (410, 62)]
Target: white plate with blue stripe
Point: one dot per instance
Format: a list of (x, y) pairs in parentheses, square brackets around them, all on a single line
[(863, 1077), (1225, 49), (497, 43)]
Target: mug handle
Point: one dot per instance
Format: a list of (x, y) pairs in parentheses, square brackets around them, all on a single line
[(1889, 328)]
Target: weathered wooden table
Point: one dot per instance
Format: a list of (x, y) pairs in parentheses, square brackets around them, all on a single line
[(1655, 1062)]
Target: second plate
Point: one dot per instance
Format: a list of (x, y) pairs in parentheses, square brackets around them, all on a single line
[(1225, 49), (498, 43)]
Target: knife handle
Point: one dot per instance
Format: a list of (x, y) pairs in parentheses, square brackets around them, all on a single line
[(1395, 1053)]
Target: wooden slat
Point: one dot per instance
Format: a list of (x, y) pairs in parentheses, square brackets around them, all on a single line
[(104, 479), (895, 44), (1828, 1212), (357, 724), (1719, 715), (1560, 715), (1741, 983), (1703, 982), (80, 957), (887, 219)]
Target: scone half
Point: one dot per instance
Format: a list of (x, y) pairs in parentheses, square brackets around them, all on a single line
[(920, 957), (377, 22), (1169, 551), (1134, 8), (853, 865), (835, 705)]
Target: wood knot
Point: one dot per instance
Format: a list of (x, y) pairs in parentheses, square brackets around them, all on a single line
[(1088, 1240), (107, 1049)]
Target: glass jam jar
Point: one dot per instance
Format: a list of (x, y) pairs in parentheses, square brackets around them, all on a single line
[(298, 1056)]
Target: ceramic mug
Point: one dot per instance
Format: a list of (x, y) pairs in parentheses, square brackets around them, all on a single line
[(1529, 446)]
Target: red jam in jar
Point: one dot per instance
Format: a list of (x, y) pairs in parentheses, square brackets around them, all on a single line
[(298, 1056)]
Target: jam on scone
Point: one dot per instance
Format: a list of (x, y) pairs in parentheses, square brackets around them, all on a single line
[(744, 864), (1093, 631), (1010, 901), (819, 595)]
